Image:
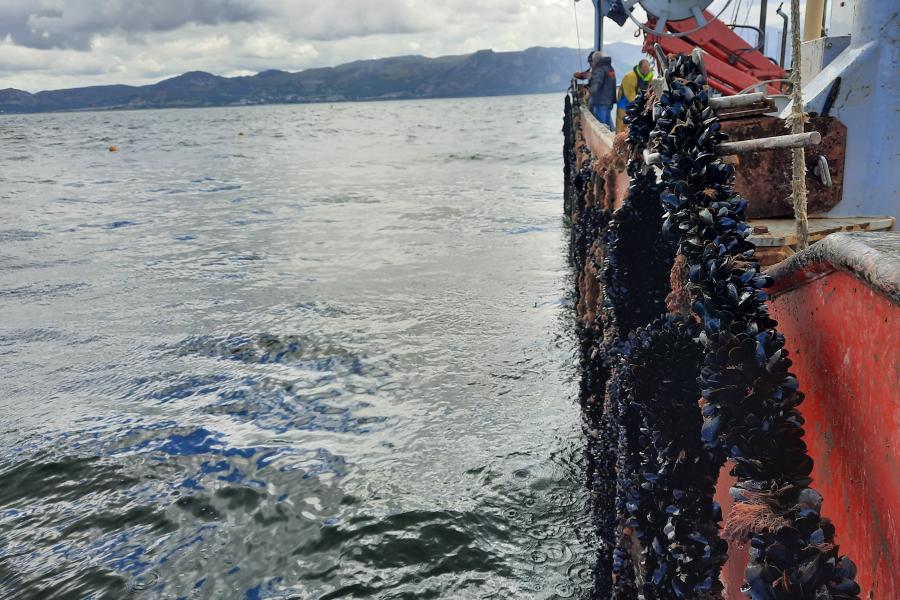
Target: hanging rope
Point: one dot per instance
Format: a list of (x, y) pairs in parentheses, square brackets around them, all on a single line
[(795, 122), (577, 33), (736, 11), (746, 20)]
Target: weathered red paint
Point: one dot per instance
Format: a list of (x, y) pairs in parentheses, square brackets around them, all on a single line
[(846, 351), (843, 334)]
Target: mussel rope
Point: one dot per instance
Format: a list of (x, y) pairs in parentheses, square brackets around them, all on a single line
[(674, 511), (635, 276), (671, 509), (749, 397), (630, 491), (635, 271), (587, 222)]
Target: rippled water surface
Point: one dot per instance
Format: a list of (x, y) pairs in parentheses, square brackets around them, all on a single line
[(288, 352)]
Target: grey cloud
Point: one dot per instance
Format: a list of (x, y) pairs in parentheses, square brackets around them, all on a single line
[(14, 16), (326, 21), (73, 24)]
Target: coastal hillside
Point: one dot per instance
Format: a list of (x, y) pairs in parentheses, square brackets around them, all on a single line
[(483, 73)]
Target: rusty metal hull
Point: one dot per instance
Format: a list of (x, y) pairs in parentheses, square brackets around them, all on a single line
[(764, 178)]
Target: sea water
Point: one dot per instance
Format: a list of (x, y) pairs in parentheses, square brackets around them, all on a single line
[(305, 351)]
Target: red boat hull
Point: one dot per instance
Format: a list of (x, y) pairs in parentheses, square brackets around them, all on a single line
[(838, 306)]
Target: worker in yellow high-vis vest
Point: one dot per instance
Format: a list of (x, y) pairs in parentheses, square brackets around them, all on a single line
[(636, 80)]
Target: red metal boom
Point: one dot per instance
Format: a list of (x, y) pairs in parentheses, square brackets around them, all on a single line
[(731, 64)]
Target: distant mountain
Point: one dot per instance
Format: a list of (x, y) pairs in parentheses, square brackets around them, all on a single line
[(484, 73)]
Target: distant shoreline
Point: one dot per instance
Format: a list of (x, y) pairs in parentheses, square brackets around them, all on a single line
[(484, 73), (311, 102)]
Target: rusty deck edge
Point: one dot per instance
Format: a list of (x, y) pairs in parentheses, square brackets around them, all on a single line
[(872, 257)]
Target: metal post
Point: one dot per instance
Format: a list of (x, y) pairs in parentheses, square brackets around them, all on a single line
[(599, 11), (763, 8), (783, 35)]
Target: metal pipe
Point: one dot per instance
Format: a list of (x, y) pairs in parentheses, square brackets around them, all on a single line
[(763, 9), (660, 58), (736, 101), (778, 142), (784, 16), (759, 35)]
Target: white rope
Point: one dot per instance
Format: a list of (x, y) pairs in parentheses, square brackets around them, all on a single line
[(577, 32)]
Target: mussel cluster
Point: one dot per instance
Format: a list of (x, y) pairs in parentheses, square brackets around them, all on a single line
[(568, 131), (650, 506), (601, 424), (669, 491), (618, 429), (672, 511), (640, 123), (582, 232), (749, 397), (638, 259)]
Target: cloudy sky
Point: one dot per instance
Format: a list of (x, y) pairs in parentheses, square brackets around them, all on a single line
[(49, 44)]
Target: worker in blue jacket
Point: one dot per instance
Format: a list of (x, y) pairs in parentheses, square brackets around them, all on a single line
[(603, 88)]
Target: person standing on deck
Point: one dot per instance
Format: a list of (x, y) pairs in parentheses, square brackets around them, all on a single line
[(636, 80), (603, 88), (586, 74)]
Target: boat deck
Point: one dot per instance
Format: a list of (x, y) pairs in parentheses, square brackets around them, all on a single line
[(776, 239)]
